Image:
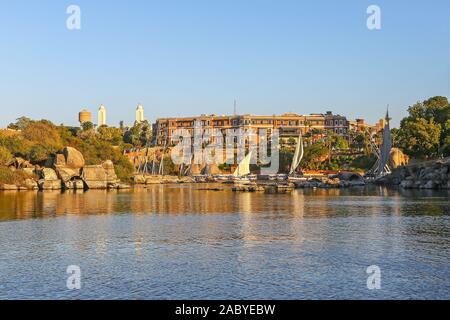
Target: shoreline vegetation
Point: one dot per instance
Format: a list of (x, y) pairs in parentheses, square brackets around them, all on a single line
[(39, 155)]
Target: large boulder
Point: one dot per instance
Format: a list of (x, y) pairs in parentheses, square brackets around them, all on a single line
[(49, 184), (30, 184), (74, 159), (73, 185), (67, 174), (60, 160), (110, 172), (49, 180), (139, 179), (97, 177), (20, 163), (49, 174)]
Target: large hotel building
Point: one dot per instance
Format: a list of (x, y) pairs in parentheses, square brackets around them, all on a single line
[(289, 124)]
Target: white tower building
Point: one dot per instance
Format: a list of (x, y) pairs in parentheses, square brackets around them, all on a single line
[(101, 116), (140, 113)]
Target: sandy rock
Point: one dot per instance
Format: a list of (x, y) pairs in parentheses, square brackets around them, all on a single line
[(153, 180), (169, 179), (8, 187), (30, 184), (49, 174), (29, 171), (20, 163), (60, 160), (250, 188), (66, 174), (49, 184), (139, 179), (95, 177), (97, 184), (186, 180), (73, 158), (73, 185), (94, 173), (111, 176)]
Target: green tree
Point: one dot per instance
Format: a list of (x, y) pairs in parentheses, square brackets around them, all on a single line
[(20, 124), (45, 139), (111, 135), (315, 155), (87, 126), (424, 133), (419, 137)]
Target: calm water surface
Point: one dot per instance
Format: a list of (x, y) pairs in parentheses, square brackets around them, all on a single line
[(180, 242)]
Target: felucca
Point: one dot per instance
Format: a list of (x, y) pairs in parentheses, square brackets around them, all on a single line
[(243, 170), (298, 157)]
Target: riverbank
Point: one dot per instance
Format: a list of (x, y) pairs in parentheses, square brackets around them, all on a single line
[(433, 174)]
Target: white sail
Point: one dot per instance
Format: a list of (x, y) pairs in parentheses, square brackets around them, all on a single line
[(243, 168), (298, 156), (385, 151)]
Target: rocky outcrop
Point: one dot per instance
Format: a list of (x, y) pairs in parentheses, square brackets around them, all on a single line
[(66, 170), (49, 174), (398, 158), (352, 178), (425, 175), (31, 184), (49, 180), (68, 166), (100, 176), (253, 187), (49, 184), (95, 177), (8, 187), (154, 179), (66, 174), (331, 183), (111, 176), (20, 163), (74, 185)]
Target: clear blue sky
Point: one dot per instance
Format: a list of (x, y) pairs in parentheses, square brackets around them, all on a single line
[(192, 57)]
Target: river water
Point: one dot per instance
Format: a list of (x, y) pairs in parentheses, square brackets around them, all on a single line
[(182, 242)]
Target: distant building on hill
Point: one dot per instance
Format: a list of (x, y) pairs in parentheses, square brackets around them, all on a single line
[(101, 116), (84, 116), (336, 123), (140, 114)]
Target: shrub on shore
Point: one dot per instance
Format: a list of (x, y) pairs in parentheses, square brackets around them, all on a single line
[(14, 177), (5, 156)]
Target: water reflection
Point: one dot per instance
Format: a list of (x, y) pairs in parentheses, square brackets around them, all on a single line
[(183, 242), (160, 199)]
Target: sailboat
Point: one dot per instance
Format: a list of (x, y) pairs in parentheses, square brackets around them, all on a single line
[(381, 167), (243, 170), (298, 157)]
